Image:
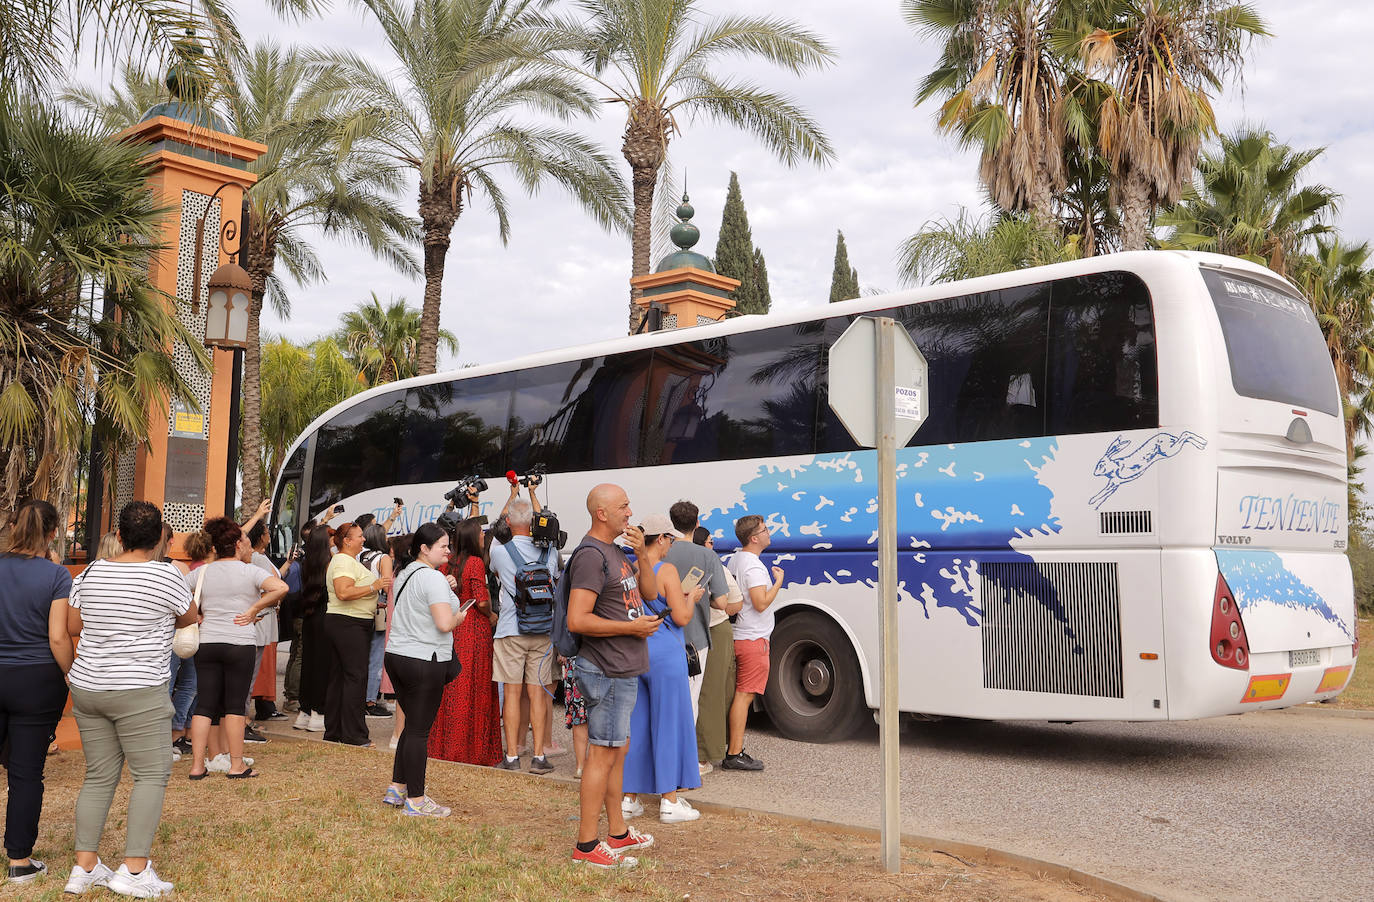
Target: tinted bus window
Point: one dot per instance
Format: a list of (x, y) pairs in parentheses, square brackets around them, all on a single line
[(1103, 373), (546, 399), (358, 449), (1274, 343), (455, 429), (987, 366), (599, 425), (733, 397)]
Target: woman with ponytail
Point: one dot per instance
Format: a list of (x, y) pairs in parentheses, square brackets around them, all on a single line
[(35, 655)]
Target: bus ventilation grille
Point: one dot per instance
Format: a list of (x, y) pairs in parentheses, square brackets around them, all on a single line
[(1052, 628), (1116, 523)]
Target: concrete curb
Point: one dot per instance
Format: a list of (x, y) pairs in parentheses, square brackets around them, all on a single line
[(1328, 711)]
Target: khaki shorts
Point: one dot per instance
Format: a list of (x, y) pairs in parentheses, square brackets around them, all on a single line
[(524, 659)]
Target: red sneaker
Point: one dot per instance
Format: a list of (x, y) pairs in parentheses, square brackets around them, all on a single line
[(603, 856), (635, 840)]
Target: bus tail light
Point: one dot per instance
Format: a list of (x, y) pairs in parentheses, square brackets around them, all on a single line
[(1229, 645)]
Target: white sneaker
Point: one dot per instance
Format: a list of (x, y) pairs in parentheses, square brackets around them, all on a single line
[(630, 807), (316, 724), (143, 885), (83, 880), (220, 764), (176, 754), (705, 767), (678, 812), (302, 721)]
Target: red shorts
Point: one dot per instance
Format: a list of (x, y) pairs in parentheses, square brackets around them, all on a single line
[(751, 665)]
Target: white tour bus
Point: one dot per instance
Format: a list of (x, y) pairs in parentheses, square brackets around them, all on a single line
[(1128, 502)]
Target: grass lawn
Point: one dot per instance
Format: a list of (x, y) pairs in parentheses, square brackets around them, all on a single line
[(1360, 691), (313, 827)]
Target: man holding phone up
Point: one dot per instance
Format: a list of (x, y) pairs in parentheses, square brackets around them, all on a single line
[(691, 559), (606, 608)]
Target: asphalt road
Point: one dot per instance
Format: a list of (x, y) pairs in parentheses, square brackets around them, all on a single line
[(1265, 806)]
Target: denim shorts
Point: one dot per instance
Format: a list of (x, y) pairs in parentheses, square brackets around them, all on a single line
[(610, 701)]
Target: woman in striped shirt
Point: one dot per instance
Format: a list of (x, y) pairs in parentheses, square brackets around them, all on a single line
[(125, 609)]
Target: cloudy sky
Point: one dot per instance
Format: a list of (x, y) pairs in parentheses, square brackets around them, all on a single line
[(562, 281)]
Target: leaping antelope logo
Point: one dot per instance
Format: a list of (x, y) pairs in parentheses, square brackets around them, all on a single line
[(1121, 466)]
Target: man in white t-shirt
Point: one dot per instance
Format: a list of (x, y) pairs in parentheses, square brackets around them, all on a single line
[(753, 627)]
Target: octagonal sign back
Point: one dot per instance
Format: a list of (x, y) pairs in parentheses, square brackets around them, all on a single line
[(853, 377)]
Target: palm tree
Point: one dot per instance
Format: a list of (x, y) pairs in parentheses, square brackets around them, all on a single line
[(1160, 58), (661, 59), (39, 38), (1003, 91), (78, 220), (299, 382), (466, 68), (303, 184), (1339, 283), (1246, 201), (381, 341), (947, 250)]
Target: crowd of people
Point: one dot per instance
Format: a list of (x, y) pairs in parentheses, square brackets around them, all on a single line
[(452, 623)]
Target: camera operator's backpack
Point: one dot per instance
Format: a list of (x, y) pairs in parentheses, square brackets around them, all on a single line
[(566, 642), (533, 592)]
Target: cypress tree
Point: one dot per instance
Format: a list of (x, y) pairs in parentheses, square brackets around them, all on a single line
[(735, 253), (844, 280), (761, 292)]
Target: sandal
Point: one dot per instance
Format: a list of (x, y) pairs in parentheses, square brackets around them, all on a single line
[(243, 776), (199, 776)]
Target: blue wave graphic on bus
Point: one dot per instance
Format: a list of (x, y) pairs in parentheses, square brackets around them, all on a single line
[(823, 515), (1259, 577)]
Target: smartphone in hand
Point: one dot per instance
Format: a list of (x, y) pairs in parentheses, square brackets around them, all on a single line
[(463, 608), (692, 580)]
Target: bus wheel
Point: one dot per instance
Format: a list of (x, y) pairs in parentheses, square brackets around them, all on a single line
[(815, 690)]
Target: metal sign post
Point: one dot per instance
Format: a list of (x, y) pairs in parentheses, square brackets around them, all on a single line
[(889, 737), (878, 389)]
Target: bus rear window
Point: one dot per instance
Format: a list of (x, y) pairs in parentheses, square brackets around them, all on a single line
[(1274, 344)]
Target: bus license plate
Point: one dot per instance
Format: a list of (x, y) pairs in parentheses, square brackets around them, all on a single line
[(1304, 658)]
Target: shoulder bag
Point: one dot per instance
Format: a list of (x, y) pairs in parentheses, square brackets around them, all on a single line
[(186, 639), (453, 666)]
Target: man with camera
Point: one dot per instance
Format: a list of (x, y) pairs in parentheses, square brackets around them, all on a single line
[(522, 657), (606, 608)]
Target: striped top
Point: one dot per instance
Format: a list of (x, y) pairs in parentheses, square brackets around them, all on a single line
[(127, 613)]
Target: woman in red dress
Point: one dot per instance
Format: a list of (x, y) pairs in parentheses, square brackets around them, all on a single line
[(468, 725)]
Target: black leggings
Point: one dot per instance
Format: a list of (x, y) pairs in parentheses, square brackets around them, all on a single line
[(31, 700), (419, 688), (315, 657), (345, 712), (224, 677)]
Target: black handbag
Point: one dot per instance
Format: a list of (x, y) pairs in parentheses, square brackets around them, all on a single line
[(693, 659)]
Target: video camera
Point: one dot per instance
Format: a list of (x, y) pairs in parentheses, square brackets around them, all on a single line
[(458, 495), (544, 530), (534, 477)]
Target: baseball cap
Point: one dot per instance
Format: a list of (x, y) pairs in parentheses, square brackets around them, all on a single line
[(659, 524)]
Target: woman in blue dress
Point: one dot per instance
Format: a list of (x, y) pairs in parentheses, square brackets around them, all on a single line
[(662, 757)]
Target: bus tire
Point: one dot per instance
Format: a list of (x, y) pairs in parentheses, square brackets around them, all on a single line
[(815, 688)]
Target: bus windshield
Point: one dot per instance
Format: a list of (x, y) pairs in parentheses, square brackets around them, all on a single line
[(1274, 343)]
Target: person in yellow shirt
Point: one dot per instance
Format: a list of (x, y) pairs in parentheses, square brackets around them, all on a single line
[(348, 625)]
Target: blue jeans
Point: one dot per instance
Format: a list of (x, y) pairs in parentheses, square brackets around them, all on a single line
[(183, 692), (374, 666), (610, 702)]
